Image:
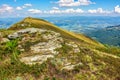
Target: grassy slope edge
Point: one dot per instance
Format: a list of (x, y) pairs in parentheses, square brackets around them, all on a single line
[(39, 23)]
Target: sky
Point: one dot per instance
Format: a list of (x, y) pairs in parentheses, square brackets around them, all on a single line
[(23, 8)]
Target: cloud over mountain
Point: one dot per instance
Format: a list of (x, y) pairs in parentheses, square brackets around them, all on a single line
[(34, 11), (6, 8), (71, 7), (18, 8), (117, 9), (70, 3), (24, 6), (56, 10), (99, 10)]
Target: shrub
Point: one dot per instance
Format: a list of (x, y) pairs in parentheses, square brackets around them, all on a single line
[(11, 46)]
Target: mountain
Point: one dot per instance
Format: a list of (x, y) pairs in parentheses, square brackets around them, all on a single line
[(35, 49), (40, 23), (109, 35), (117, 27)]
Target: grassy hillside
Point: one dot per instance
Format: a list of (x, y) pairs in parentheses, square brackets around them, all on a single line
[(109, 35), (39, 23), (72, 56)]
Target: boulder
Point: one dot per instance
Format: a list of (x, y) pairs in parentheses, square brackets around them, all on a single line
[(25, 31), (13, 36), (46, 47), (35, 59), (4, 40), (74, 46), (70, 66)]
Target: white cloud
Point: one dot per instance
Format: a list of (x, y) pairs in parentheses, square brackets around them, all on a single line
[(92, 11), (73, 10), (55, 8), (117, 9), (79, 11), (35, 11), (24, 6), (99, 11), (70, 3), (53, 12), (6, 8), (19, 8), (27, 5), (66, 11)]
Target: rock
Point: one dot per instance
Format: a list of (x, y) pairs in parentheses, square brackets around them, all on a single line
[(13, 36), (35, 59), (0, 37), (67, 64), (53, 42), (25, 31), (30, 30), (51, 39), (4, 40), (22, 50), (70, 66), (50, 35), (74, 46), (22, 25), (18, 78), (46, 47)]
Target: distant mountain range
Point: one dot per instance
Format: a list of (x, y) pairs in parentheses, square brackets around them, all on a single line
[(117, 27), (109, 35), (7, 22)]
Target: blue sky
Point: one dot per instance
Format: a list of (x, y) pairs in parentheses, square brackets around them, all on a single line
[(23, 8)]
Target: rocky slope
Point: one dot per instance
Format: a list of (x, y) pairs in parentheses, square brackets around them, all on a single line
[(34, 49)]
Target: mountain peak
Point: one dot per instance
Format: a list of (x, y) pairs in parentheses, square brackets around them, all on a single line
[(30, 22), (38, 49), (28, 18)]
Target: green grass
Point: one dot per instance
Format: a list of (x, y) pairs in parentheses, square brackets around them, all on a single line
[(38, 23), (12, 70), (11, 46), (110, 50), (94, 65), (6, 32)]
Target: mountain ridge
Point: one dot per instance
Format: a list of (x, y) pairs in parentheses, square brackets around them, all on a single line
[(36, 49), (50, 26)]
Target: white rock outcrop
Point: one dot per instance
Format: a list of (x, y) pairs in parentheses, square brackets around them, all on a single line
[(74, 46), (45, 44), (35, 59), (71, 66), (25, 31)]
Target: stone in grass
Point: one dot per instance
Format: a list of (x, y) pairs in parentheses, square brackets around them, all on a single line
[(37, 59), (4, 40), (70, 67)]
